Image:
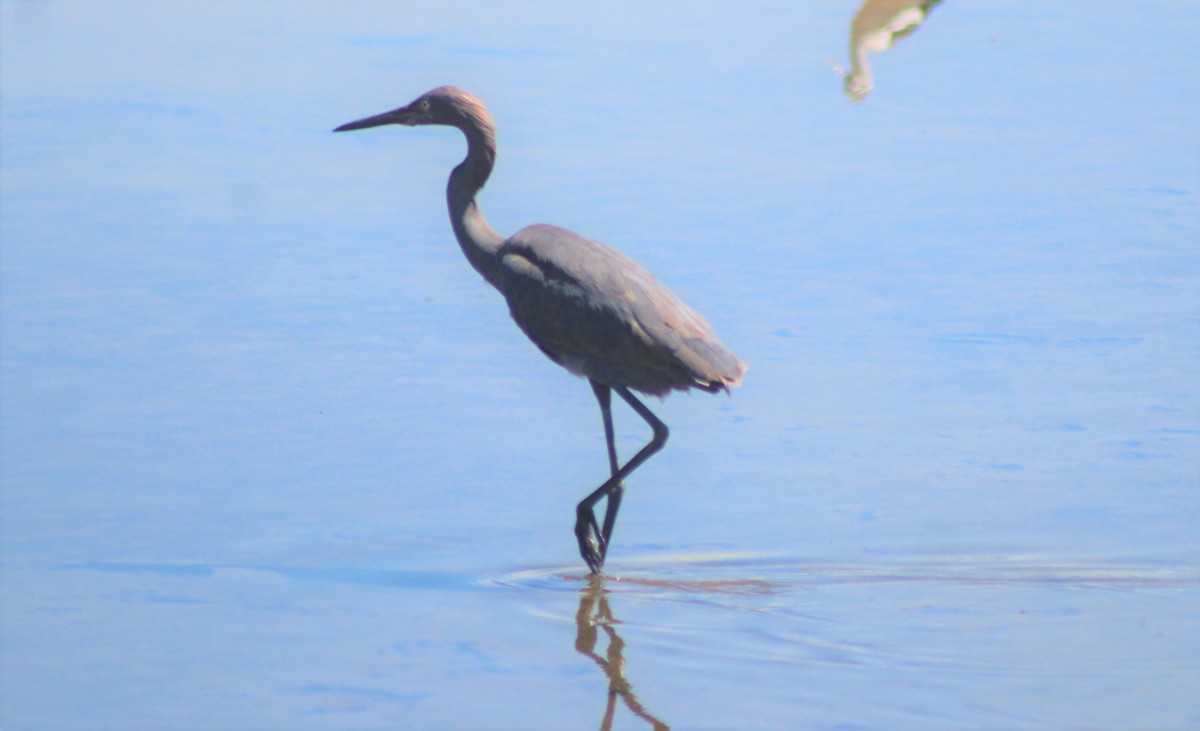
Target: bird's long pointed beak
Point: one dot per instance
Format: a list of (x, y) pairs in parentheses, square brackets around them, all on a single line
[(396, 116)]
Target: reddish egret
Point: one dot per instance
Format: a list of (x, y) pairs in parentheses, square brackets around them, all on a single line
[(591, 309)]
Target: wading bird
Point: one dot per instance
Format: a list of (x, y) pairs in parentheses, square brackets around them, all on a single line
[(590, 308)]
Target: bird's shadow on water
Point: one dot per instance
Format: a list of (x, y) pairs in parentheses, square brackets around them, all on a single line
[(595, 614)]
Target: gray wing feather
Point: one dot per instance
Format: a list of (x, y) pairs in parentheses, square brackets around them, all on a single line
[(601, 314)]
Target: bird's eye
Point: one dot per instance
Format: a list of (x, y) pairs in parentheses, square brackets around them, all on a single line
[(424, 105)]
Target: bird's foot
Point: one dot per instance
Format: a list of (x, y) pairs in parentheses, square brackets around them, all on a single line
[(591, 543)]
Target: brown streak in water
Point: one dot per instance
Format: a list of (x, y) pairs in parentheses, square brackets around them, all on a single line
[(594, 612)]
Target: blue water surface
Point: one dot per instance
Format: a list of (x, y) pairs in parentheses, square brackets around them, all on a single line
[(275, 457)]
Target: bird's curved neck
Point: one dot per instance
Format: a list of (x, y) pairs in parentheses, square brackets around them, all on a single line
[(479, 241)]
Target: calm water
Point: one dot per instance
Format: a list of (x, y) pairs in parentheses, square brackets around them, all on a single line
[(274, 457)]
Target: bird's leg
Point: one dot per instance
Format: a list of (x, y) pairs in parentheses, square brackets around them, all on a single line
[(657, 441), (593, 543), (592, 540), (613, 503)]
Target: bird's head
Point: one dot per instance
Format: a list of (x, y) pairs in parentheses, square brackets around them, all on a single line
[(446, 105)]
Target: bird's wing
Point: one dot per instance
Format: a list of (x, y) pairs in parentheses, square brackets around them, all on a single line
[(579, 299)]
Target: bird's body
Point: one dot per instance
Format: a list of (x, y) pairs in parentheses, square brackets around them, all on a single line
[(590, 308), (601, 315)]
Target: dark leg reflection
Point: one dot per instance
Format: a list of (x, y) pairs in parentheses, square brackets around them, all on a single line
[(595, 614)]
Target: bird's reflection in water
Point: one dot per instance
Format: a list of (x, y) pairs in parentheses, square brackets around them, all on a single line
[(877, 25), (594, 615)]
